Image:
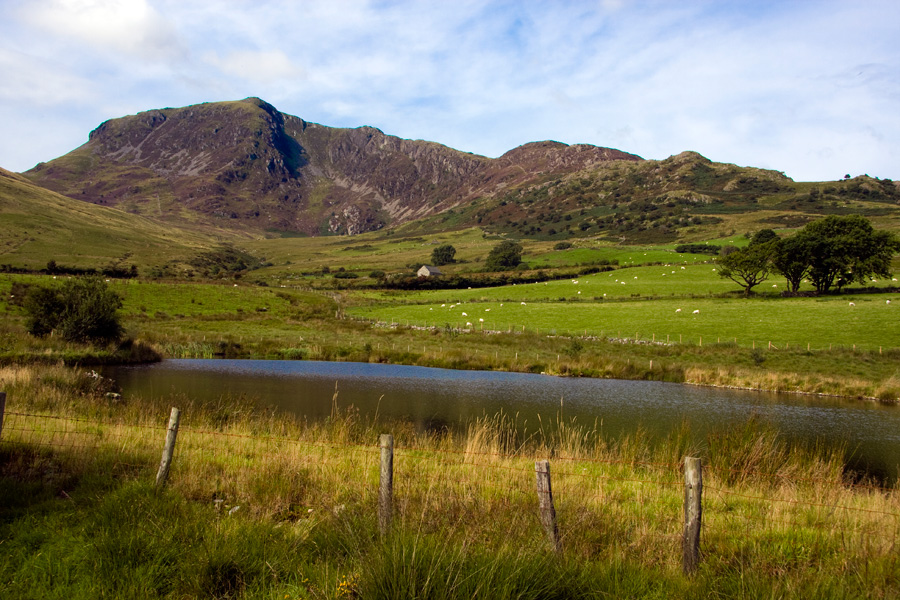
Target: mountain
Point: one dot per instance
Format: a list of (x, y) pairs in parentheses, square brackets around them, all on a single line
[(246, 165)]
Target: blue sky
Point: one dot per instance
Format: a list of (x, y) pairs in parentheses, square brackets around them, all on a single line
[(811, 88)]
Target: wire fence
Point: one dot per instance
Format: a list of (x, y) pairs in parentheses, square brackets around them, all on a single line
[(646, 503)]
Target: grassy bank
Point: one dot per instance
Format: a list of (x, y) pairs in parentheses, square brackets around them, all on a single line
[(264, 505)]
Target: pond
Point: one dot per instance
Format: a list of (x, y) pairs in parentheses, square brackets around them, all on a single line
[(437, 398)]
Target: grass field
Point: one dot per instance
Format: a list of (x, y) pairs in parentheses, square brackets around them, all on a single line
[(798, 322), (818, 345), (261, 505)]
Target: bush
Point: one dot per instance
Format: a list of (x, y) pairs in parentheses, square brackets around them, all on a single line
[(82, 310), (505, 255), (562, 246), (711, 249), (443, 255)]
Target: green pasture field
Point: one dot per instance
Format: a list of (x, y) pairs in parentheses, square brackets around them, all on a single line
[(817, 322), (623, 256), (157, 299), (203, 320), (660, 281), (614, 304)]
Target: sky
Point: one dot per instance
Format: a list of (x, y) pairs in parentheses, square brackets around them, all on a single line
[(807, 87)]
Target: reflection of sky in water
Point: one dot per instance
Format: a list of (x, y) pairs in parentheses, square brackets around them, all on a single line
[(440, 396)]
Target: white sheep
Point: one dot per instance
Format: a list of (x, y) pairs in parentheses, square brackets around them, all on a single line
[(852, 304), (465, 315), (678, 310), (697, 312)]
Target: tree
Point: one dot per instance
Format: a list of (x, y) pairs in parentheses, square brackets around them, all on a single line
[(81, 310), (504, 256), (443, 255), (43, 306), (762, 236), (792, 258), (748, 267), (846, 249)]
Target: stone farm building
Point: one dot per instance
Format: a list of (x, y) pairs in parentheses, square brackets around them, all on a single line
[(427, 271)]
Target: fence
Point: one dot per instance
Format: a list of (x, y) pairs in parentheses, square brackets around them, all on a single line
[(582, 489)]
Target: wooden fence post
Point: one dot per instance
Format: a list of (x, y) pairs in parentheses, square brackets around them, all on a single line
[(545, 503), (693, 490), (386, 487), (2, 411), (169, 448)]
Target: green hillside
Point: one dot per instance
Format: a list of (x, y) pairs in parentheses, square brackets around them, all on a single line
[(38, 226)]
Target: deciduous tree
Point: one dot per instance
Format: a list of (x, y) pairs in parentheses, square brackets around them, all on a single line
[(444, 254), (504, 256), (844, 249), (748, 267)]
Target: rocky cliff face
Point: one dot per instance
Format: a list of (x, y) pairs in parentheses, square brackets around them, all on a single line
[(245, 165)]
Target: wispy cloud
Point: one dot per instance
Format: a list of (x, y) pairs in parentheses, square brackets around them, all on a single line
[(811, 88)]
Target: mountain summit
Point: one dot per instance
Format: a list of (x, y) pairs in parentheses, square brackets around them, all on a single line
[(245, 165)]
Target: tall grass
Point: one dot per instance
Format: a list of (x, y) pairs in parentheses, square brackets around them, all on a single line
[(264, 505)]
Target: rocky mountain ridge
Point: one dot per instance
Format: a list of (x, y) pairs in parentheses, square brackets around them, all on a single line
[(248, 168), (244, 164)]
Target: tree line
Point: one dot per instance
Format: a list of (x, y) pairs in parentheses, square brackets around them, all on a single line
[(830, 253)]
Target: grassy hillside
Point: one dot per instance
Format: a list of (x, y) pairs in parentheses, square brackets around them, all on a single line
[(38, 225)]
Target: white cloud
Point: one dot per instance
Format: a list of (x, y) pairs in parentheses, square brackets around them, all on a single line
[(130, 26), (808, 88)]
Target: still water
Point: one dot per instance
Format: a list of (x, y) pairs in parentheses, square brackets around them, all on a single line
[(436, 398)]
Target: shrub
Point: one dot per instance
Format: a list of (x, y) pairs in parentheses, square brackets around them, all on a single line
[(712, 249), (505, 255), (443, 255), (82, 310)]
